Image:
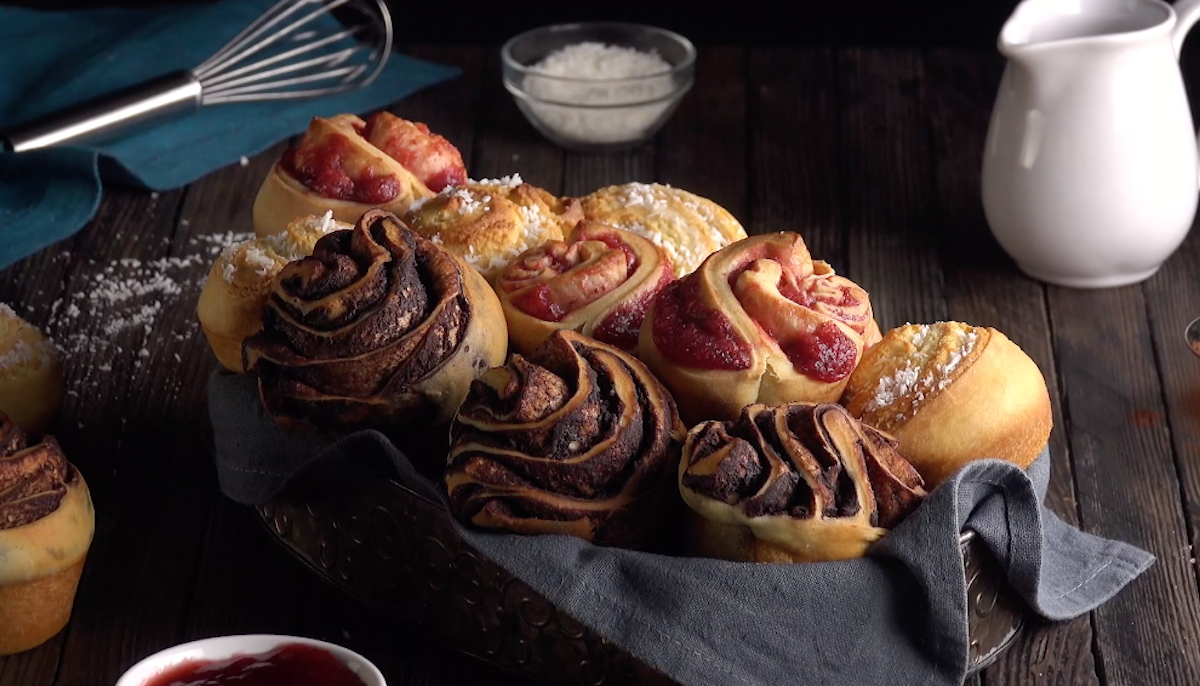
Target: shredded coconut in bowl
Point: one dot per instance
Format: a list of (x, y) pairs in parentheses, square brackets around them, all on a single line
[(602, 74)]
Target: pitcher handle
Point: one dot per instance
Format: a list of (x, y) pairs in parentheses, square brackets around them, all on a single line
[(1186, 14)]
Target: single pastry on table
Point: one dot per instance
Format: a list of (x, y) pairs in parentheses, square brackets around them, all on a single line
[(378, 328), (599, 281), (759, 322), (230, 307), (951, 393), (579, 438), (46, 528), (347, 165), (687, 226), (31, 376), (799, 482), (489, 223)]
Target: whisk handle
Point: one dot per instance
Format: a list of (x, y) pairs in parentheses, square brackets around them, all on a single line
[(95, 120)]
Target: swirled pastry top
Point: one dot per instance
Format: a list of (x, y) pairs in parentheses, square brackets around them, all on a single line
[(490, 222), (759, 321), (599, 281), (579, 438), (952, 393), (687, 226), (806, 478), (33, 478), (231, 302), (335, 160), (377, 325)]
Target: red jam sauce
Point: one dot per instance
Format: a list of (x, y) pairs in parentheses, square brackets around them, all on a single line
[(430, 157), (826, 355), (320, 168), (694, 336), (538, 301), (620, 328), (293, 664)]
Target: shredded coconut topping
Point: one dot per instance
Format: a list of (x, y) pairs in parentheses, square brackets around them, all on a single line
[(570, 79), (509, 181), (909, 383)]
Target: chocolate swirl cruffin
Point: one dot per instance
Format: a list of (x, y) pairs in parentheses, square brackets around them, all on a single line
[(579, 438), (46, 527), (799, 482), (377, 328)]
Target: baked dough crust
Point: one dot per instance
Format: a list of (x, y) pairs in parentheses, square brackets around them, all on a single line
[(688, 226), (31, 376), (770, 377), (230, 307), (40, 565), (490, 223), (282, 197), (952, 393)]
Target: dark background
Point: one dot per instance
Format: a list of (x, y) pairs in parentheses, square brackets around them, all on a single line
[(963, 23)]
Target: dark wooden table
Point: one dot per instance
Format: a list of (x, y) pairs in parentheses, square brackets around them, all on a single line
[(872, 154)]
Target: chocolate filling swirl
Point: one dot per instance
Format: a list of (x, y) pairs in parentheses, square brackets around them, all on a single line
[(804, 461), (578, 438), (33, 478), (348, 331)]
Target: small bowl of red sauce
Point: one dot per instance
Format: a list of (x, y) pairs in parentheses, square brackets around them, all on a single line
[(254, 660)]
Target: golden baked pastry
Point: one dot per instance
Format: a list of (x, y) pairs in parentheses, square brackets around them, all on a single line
[(600, 282), (377, 328), (579, 438), (489, 223), (231, 303), (794, 483), (31, 376), (952, 393), (687, 226), (346, 165), (759, 321), (46, 528)]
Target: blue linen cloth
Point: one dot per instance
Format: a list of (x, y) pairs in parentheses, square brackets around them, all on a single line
[(51, 60)]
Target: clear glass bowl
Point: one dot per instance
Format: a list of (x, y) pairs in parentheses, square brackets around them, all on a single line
[(597, 115)]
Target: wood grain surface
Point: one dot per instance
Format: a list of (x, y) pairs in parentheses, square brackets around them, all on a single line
[(873, 154)]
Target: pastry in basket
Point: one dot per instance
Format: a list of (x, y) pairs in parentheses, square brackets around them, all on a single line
[(578, 438), (31, 376), (952, 393), (799, 482), (488, 223), (600, 282), (759, 321), (46, 527), (346, 165), (377, 328), (230, 307), (687, 226)]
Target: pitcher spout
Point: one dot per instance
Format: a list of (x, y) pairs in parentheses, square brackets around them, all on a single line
[(1038, 26)]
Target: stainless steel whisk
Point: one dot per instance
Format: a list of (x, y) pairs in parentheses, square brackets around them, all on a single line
[(282, 55)]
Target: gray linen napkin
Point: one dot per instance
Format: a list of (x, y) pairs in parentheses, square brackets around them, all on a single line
[(897, 616)]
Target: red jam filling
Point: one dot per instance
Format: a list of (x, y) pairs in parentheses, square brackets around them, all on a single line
[(620, 328), (320, 168), (430, 157), (826, 355), (538, 301), (695, 336), (293, 664)]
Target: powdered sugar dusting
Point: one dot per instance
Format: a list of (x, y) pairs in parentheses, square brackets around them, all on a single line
[(128, 298)]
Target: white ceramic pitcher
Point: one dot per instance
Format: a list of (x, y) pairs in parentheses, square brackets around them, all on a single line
[(1090, 170)]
